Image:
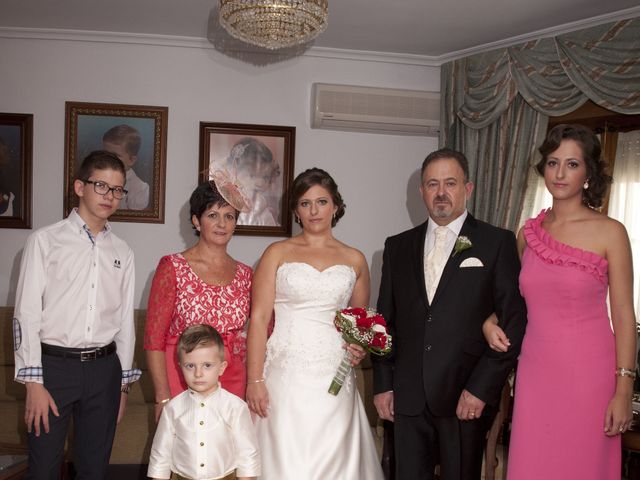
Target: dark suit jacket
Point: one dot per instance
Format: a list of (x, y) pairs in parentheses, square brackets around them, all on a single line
[(439, 348)]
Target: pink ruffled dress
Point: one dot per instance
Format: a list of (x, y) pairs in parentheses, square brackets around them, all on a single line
[(565, 377)]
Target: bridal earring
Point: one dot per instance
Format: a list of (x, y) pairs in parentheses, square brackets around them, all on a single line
[(586, 184)]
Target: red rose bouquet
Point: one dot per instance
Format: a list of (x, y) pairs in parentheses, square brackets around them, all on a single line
[(364, 327)]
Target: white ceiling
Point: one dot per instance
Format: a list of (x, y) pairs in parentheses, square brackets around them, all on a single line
[(430, 28)]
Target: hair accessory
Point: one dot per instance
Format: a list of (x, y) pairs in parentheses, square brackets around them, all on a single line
[(227, 184)]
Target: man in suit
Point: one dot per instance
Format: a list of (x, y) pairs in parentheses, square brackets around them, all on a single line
[(441, 384)]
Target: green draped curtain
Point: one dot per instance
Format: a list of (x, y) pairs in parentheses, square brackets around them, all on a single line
[(495, 105)]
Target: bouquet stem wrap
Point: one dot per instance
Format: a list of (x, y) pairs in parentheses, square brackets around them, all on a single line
[(343, 370), (359, 326)]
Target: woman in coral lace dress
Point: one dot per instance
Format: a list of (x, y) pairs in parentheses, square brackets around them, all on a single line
[(575, 374), (200, 285)]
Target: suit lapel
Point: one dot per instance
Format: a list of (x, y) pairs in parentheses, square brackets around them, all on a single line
[(452, 265), (418, 253)]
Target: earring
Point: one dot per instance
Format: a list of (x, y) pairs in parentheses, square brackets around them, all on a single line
[(586, 184), (297, 219)]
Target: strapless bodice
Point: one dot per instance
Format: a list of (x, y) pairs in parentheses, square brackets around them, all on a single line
[(305, 305)]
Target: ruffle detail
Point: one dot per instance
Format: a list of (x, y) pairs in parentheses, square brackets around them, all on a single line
[(554, 252)]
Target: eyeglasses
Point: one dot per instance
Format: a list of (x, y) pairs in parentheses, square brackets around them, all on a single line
[(102, 188)]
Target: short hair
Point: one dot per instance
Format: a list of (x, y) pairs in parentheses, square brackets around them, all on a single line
[(99, 160), (197, 336), (204, 197), (597, 177), (447, 153), (125, 134), (309, 178)]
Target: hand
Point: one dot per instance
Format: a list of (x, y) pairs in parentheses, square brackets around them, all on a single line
[(356, 352), (384, 405), (123, 406), (38, 403), (258, 398), (469, 406), (618, 415), (497, 339)]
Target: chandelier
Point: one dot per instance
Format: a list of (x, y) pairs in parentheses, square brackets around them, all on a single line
[(274, 24)]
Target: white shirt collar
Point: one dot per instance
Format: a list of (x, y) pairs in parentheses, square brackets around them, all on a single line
[(455, 226)]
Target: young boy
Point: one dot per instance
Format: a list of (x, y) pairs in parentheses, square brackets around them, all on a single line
[(124, 141), (205, 432), (73, 327)]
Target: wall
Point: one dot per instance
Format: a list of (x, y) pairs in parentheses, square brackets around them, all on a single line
[(376, 173)]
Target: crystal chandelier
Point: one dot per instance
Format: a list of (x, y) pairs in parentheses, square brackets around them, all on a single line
[(274, 24)]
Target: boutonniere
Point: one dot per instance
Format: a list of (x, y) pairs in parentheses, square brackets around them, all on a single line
[(462, 243)]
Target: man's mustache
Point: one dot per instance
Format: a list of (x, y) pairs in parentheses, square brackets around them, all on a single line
[(442, 198)]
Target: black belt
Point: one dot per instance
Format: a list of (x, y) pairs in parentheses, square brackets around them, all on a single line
[(84, 355)]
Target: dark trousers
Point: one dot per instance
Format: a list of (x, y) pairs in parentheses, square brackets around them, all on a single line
[(424, 441), (90, 392)]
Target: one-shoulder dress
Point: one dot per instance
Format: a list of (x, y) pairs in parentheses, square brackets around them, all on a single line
[(565, 377)]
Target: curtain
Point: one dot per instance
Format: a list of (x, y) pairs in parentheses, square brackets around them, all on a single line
[(625, 197), (495, 105)]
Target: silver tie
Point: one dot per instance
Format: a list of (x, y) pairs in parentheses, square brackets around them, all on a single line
[(436, 259)]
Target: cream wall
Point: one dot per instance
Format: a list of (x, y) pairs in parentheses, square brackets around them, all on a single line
[(376, 173)]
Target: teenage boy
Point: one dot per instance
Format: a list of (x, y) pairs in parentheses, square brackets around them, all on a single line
[(205, 432), (73, 327)]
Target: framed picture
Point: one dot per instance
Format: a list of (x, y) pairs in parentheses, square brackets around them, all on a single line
[(16, 136), (260, 159), (138, 136)]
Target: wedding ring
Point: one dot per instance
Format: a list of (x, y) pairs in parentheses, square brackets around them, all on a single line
[(621, 429), (472, 414)]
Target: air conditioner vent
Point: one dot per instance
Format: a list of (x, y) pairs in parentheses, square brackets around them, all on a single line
[(377, 110)]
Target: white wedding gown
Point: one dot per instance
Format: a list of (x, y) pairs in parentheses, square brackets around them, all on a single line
[(310, 434)]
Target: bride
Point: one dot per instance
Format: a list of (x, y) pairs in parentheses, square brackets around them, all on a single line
[(303, 431)]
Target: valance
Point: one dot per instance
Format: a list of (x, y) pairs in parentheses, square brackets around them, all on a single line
[(556, 75)]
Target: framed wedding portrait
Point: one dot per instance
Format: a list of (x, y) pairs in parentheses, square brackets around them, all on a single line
[(137, 134), (16, 137), (258, 158)]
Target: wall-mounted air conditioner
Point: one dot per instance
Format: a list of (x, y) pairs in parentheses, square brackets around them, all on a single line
[(375, 110)]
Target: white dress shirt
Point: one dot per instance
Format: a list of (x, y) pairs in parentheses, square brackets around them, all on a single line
[(453, 230), (205, 438), (74, 290)]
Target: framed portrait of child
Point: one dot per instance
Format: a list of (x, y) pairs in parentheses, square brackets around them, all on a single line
[(138, 136), (16, 135), (259, 159)]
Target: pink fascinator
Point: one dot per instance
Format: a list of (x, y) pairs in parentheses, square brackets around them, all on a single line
[(227, 184)]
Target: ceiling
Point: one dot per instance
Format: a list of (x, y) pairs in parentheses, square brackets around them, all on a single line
[(429, 28)]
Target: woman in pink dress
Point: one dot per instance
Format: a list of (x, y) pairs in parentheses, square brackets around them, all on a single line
[(200, 285), (575, 375)]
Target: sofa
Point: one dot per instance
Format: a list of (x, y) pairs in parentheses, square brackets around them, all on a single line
[(135, 433)]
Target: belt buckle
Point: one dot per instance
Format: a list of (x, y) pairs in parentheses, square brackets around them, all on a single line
[(88, 355)]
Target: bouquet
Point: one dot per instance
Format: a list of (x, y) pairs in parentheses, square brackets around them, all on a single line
[(364, 327)]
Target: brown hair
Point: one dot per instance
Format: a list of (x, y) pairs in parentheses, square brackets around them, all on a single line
[(124, 134), (597, 178), (197, 336), (447, 153), (100, 160)]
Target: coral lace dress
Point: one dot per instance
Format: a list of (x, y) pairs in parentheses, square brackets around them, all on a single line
[(179, 299), (565, 376)]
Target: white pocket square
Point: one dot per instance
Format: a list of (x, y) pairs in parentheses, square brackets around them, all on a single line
[(471, 262)]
